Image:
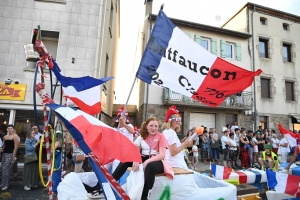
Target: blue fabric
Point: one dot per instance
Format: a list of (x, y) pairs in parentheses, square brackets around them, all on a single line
[(29, 146), (258, 185), (161, 33), (271, 178), (81, 83), (56, 177)]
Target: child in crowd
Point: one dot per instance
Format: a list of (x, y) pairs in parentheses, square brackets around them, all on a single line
[(186, 157), (195, 155)]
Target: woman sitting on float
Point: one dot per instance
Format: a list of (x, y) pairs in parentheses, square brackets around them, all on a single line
[(174, 153), (153, 147)]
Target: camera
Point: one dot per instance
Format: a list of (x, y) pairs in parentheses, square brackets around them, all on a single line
[(8, 81)]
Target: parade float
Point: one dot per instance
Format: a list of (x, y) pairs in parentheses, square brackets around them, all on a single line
[(96, 139)]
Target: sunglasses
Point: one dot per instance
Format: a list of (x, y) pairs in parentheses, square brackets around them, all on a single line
[(177, 119)]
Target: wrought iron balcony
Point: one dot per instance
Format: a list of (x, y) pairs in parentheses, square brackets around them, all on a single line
[(242, 102)]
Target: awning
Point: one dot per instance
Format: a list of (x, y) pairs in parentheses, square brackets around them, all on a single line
[(295, 119)]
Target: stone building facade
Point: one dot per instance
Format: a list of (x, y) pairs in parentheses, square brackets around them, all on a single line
[(81, 35)]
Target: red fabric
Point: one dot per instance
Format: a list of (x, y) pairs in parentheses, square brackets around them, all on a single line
[(297, 150), (245, 157), (242, 177), (275, 150), (292, 184), (226, 173), (106, 143), (285, 131), (214, 90), (172, 110), (92, 110)]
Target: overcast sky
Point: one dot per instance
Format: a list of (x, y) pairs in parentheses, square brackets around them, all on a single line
[(199, 11)]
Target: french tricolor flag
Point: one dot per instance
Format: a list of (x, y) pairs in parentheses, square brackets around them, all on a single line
[(220, 172), (282, 182), (289, 135), (173, 60), (85, 91)]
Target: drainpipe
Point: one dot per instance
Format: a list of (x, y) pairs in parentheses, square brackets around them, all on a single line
[(253, 68)]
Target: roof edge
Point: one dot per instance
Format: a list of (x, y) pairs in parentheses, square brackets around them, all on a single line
[(204, 26)]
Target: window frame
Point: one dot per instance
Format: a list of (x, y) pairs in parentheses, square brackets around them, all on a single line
[(265, 94), (289, 52), (208, 43), (263, 21), (232, 50), (285, 27), (289, 96), (266, 43)]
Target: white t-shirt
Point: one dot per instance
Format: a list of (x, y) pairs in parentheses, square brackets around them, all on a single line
[(254, 141), (125, 132), (274, 141), (232, 143), (284, 149), (237, 139), (224, 139), (178, 159), (195, 153), (215, 135), (233, 127), (140, 142)]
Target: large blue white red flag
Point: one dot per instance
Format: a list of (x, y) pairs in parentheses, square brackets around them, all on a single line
[(172, 60), (282, 182), (84, 91), (93, 135)]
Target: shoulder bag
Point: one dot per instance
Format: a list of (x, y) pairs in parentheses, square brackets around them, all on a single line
[(30, 158)]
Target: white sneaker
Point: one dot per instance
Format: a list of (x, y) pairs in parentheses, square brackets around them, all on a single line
[(5, 188), (96, 195), (149, 194), (27, 188)]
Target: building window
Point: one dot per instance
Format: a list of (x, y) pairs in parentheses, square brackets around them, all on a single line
[(289, 91), (263, 122), (263, 48), (205, 43), (263, 21), (229, 50), (106, 66), (287, 53), (265, 88), (50, 40), (285, 27)]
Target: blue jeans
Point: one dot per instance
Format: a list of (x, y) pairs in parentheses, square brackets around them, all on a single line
[(215, 153), (251, 155)]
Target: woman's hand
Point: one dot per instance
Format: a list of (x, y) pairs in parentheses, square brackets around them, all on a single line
[(14, 159), (135, 166), (1, 149), (145, 164)]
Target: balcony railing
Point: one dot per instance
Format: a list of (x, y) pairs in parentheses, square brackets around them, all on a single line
[(234, 101)]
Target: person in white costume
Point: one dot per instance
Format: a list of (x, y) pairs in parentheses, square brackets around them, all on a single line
[(174, 153)]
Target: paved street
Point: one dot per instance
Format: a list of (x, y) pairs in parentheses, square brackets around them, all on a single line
[(16, 192)]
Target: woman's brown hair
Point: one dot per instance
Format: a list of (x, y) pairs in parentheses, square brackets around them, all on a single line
[(143, 130)]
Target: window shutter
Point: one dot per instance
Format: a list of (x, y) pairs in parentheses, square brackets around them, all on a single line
[(223, 49), (188, 34), (197, 38), (214, 46), (238, 51)]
